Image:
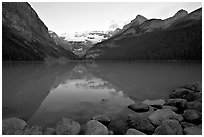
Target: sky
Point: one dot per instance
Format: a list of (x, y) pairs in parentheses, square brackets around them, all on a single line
[(69, 17)]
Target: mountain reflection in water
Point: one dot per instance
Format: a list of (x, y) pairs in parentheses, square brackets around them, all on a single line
[(42, 94)]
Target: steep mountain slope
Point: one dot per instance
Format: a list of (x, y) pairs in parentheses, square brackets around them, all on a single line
[(176, 38), (25, 36)]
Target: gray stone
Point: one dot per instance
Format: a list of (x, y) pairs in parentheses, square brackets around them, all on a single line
[(49, 131), (194, 105), (178, 103), (34, 130), (103, 119), (169, 127), (145, 126), (94, 127), (132, 131), (13, 126), (183, 93), (170, 107), (186, 124), (192, 116), (158, 116), (67, 126), (139, 107), (195, 86), (192, 131), (110, 133)]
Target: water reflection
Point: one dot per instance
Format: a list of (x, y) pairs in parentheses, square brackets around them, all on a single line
[(81, 97), (43, 93)]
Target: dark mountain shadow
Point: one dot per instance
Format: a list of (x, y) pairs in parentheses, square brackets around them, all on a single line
[(25, 85)]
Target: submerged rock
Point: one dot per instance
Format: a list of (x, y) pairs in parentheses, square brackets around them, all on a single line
[(49, 131), (192, 116), (158, 116), (110, 133), (34, 130), (13, 126), (192, 131), (139, 107), (67, 126), (158, 102), (94, 127), (103, 119), (132, 131), (169, 127)]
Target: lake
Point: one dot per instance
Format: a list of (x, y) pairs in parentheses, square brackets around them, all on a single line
[(43, 93)]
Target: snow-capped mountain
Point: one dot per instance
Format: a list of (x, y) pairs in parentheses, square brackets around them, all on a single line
[(91, 36)]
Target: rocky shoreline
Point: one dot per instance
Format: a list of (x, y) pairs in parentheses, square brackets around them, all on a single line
[(181, 114)]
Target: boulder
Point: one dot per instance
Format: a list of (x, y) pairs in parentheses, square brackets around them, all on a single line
[(145, 126), (178, 103), (13, 126), (169, 127), (158, 102), (196, 105), (192, 116), (49, 131), (158, 116), (170, 107), (195, 86), (34, 130), (139, 107), (94, 127), (198, 96), (132, 131), (186, 124), (110, 132), (192, 131), (67, 126), (103, 119), (183, 93)]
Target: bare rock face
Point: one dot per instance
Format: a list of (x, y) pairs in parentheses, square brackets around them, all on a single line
[(132, 131), (94, 127), (158, 116), (26, 37), (169, 127), (13, 126), (20, 16), (67, 126), (180, 14)]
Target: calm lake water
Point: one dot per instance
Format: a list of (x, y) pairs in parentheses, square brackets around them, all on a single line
[(42, 94)]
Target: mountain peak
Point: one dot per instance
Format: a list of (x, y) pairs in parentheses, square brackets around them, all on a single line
[(139, 19), (181, 13)]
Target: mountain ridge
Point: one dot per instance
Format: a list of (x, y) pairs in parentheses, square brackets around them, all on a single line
[(147, 41), (25, 36)]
